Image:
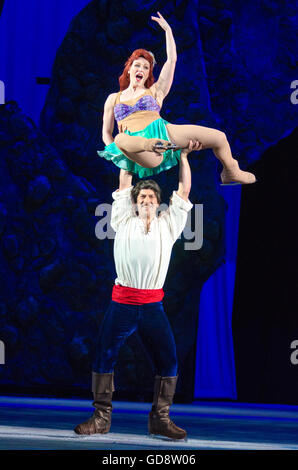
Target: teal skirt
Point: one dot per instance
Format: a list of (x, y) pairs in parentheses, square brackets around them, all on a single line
[(156, 129)]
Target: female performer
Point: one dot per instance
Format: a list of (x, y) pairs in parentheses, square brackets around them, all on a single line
[(148, 144)]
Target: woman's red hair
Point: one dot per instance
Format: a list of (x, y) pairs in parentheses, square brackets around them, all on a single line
[(124, 78)]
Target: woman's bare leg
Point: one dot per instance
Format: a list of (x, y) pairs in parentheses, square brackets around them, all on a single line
[(217, 141), (140, 150)]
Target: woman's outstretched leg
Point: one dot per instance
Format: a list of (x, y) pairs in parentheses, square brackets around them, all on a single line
[(215, 140)]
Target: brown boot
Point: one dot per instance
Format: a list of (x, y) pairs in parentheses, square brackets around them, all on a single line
[(100, 421), (159, 421)]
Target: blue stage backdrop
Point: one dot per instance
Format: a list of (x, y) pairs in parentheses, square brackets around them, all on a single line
[(234, 72)]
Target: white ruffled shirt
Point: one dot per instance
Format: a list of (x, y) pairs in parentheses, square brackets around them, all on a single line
[(142, 259)]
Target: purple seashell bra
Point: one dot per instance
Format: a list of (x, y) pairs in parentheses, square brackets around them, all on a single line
[(145, 103)]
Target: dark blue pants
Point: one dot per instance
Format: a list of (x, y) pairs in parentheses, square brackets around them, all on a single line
[(154, 329)]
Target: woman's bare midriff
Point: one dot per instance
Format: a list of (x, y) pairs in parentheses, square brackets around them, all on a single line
[(137, 121)]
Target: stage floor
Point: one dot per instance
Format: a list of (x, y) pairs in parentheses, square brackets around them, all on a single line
[(39, 423)]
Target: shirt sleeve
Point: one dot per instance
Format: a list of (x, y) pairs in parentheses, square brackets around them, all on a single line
[(176, 215), (122, 207)]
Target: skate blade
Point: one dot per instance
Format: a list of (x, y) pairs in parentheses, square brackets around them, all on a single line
[(236, 183), (82, 436), (174, 147), (165, 438), (165, 148)]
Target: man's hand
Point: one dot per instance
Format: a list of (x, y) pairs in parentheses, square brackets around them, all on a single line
[(192, 145)]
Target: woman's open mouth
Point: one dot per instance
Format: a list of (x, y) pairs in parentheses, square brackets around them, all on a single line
[(139, 77)]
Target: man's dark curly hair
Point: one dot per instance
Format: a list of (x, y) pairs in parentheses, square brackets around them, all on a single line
[(146, 184)]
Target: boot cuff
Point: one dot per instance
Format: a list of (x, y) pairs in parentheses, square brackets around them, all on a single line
[(168, 385), (102, 383)]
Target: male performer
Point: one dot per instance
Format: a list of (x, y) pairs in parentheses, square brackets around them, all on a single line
[(142, 251)]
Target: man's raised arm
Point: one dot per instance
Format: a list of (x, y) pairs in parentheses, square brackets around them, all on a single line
[(184, 170), (122, 205), (125, 179)]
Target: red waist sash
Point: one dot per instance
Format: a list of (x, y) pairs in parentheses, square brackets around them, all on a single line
[(131, 295)]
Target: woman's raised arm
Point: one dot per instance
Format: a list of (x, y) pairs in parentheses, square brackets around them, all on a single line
[(166, 76)]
